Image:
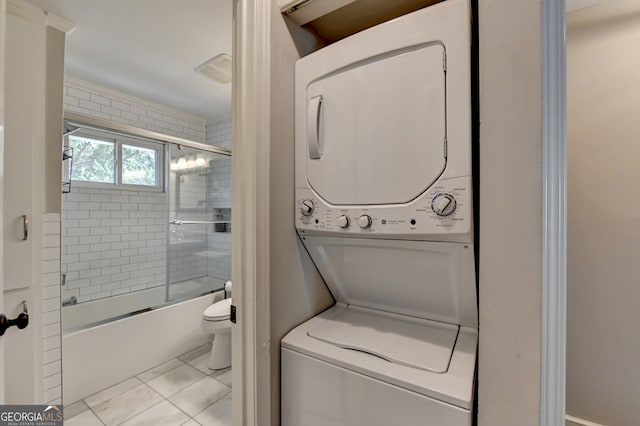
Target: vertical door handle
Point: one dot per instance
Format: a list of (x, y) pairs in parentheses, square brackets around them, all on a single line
[(25, 225), (314, 140)]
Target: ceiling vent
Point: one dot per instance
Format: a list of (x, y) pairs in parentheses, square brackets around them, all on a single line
[(218, 68)]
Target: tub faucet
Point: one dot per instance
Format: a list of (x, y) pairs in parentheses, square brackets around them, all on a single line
[(70, 301)]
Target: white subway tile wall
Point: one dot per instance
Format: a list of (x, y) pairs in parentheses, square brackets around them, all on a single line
[(101, 102), (219, 243), (51, 320), (113, 242), (219, 132)]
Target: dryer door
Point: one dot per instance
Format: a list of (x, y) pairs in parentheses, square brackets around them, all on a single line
[(376, 129)]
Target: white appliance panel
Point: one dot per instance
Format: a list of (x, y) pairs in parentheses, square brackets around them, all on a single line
[(315, 393), (416, 278), (405, 341), (376, 128), (414, 221)]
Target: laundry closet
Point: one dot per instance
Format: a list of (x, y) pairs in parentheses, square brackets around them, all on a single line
[(298, 289)]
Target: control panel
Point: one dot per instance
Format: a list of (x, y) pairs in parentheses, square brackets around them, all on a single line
[(443, 211)]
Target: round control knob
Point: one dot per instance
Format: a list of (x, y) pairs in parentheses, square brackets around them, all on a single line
[(307, 207), (343, 222), (364, 221), (443, 204)]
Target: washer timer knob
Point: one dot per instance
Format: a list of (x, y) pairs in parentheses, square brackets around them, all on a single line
[(307, 207), (365, 221), (443, 204), (343, 222)]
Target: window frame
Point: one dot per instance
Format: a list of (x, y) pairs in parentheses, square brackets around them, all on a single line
[(118, 141)]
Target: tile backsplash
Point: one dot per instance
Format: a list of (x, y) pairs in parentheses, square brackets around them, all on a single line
[(113, 242)]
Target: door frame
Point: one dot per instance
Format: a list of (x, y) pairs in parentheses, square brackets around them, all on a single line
[(250, 212), (554, 215), (3, 26)]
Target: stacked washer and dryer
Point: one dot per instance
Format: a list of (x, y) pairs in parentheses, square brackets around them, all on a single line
[(384, 208)]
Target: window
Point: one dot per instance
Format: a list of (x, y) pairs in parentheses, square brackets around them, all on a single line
[(139, 165), (93, 160), (99, 159)]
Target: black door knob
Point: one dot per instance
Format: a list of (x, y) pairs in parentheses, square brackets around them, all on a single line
[(21, 321)]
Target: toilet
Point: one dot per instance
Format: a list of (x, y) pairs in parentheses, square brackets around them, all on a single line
[(215, 320)]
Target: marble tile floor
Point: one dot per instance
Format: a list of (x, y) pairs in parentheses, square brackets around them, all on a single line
[(182, 391)]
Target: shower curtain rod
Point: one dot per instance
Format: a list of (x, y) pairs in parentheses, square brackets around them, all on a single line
[(93, 123)]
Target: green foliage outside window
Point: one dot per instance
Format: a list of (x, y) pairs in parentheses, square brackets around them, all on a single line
[(139, 165), (93, 160)]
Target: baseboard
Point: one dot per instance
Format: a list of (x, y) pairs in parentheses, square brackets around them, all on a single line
[(574, 421)]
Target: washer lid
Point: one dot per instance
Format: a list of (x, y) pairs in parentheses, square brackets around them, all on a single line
[(375, 129), (418, 344), (219, 310)]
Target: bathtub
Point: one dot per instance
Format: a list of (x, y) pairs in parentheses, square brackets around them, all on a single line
[(98, 357), (76, 317)]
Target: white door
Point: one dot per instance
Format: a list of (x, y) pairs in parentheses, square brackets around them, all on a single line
[(381, 133), (3, 9), (23, 112)]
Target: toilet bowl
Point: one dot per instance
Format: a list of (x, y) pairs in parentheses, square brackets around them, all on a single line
[(215, 320)]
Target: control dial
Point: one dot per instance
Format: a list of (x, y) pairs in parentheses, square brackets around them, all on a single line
[(307, 207), (344, 222), (365, 221), (443, 204)]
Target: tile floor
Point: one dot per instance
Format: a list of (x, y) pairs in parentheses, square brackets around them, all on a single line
[(182, 391)]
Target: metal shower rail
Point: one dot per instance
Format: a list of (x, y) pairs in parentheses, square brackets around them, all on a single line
[(197, 222)]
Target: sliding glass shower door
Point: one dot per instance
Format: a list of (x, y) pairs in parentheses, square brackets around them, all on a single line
[(199, 245)]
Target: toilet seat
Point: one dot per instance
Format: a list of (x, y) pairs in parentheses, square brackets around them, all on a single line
[(219, 311)]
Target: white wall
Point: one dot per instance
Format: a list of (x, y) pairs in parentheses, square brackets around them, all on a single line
[(603, 337), (510, 212)]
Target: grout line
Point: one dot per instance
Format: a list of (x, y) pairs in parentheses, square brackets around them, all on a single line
[(146, 381), (146, 409), (214, 402), (122, 381), (94, 413), (179, 409)]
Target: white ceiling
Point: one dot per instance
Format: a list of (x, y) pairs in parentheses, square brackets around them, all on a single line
[(149, 48)]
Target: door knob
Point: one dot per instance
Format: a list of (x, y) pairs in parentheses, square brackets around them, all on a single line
[(21, 321)]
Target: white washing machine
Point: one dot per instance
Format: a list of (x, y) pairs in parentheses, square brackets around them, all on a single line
[(384, 208)]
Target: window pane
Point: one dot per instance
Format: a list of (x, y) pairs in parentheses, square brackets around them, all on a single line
[(139, 165), (93, 160)]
